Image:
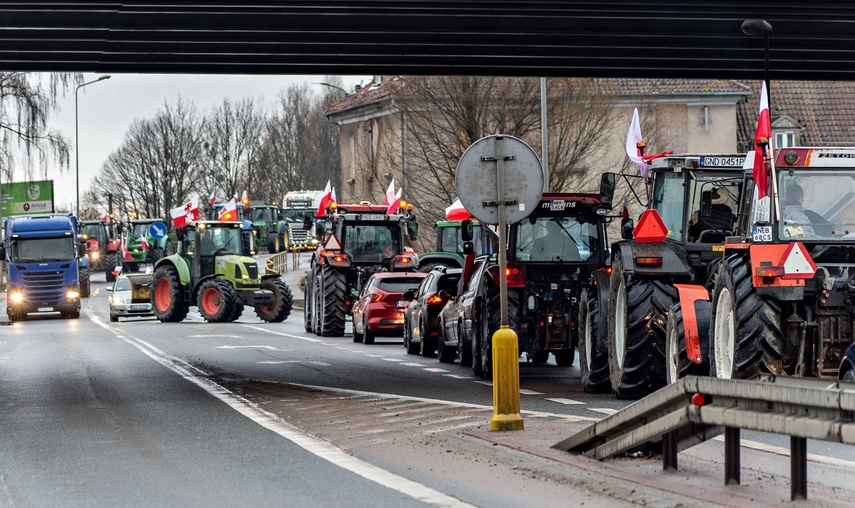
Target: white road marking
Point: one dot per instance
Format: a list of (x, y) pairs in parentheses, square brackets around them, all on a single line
[(435, 369), (281, 334), (210, 336), (391, 359), (413, 364), (604, 410), (563, 401), (270, 421), (523, 391), (279, 362), (458, 376), (271, 348), (485, 383)]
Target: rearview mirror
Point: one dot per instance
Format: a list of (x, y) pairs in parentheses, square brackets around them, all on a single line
[(607, 188), (626, 227), (468, 248), (412, 230), (408, 295), (466, 231), (307, 221)]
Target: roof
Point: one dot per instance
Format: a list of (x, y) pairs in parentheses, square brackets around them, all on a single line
[(399, 275)]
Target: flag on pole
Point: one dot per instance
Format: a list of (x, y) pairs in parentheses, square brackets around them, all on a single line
[(625, 212), (326, 199), (457, 211), (212, 199), (185, 214), (394, 203), (229, 211), (104, 215), (144, 243), (633, 137), (126, 254), (243, 198), (761, 136), (332, 196), (390, 193)]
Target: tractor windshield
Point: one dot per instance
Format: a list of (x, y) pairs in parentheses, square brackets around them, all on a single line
[(691, 221), (219, 241), (263, 214), (140, 229), (555, 239), (370, 243), (96, 231), (817, 205), (483, 241)]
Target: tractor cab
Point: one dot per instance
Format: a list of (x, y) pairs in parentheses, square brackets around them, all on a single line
[(209, 240)]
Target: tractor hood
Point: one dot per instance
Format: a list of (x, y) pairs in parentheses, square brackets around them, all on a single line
[(243, 270)]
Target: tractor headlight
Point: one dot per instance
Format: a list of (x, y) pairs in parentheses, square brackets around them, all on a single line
[(95, 255), (72, 294), (16, 297)]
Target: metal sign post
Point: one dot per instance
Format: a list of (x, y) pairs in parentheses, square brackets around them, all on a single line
[(500, 181)]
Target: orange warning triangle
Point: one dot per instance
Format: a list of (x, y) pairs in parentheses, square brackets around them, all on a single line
[(797, 262), (332, 243), (650, 228)]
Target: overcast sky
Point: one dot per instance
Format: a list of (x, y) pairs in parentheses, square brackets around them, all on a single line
[(107, 108)]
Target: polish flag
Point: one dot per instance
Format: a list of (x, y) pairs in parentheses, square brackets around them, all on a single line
[(229, 211), (457, 211), (212, 199), (185, 214), (762, 136), (326, 199), (632, 140), (243, 197), (390, 193), (394, 203), (104, 215), (144, 243), (126, 254)]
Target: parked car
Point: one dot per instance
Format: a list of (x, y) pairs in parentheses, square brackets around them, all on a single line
[(460, 319), (131, 296), (847, 364), (379, 308), (421, 314)]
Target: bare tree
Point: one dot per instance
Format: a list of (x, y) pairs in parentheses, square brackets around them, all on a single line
[(158, 167), (27, 101)]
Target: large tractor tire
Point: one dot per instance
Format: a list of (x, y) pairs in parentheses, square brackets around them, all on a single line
[(168, 301), (745, 327), (111, 261), (272, 243), (677, 364), (638, 311), (236, 313), (307, 301), (216, 300), (280, 309), (333, 311), (593, 343), (83, 280), (316, 303)]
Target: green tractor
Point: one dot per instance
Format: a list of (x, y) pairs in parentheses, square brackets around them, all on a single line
[(209, 272), (449, 244), (266, 224), (138, 230)]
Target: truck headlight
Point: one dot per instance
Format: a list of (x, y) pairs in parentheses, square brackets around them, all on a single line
[(72, 294), (16, 297)]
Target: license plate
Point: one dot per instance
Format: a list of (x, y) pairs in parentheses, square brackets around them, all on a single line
[(140, 306), (403, 303), (45, 309), (373, 216), (727, 162), (762, 234)]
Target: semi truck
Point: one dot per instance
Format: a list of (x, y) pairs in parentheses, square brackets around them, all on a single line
[(41, 254), (298, 212)]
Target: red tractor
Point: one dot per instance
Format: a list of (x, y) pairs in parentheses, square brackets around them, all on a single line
[(358, 241)]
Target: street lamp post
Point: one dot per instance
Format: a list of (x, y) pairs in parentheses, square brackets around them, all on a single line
[(333, 86), (76, 141), (758, 27)]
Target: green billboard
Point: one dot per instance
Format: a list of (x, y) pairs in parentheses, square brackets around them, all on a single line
[(25, 198)]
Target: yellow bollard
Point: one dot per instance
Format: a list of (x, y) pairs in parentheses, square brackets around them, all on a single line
[(506, 381)]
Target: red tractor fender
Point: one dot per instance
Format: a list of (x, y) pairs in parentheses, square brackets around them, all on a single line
[(91, 244), (689, 294), (113, 245)]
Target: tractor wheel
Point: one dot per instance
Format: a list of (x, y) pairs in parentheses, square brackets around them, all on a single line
[(111, 261), (236, 313), (677, 364), (745, 328), (638, 310), (83, 280), (155, 255), (307, 301), (216, 300), (538, 357), (316, 304), (332, 317), (272, 243), (280, 309), (168, 300), (564, 357), (593, 343)]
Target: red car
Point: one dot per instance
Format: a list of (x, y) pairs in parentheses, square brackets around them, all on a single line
[(379, 310)]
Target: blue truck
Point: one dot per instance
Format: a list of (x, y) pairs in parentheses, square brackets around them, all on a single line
[(42, 260)]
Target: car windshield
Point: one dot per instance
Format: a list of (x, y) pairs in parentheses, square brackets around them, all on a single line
[(553, 238), (220, 241), (398, 285), (370, 242), (817, 205), (122, 284), (42, 250)]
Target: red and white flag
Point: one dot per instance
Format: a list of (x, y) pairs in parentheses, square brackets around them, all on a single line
[(212, 199), (390, 193), (762, 135), (326, 199), (126, 254), (632, 139), (394, 203), (457, 211), (104, 215), (243, 197), (144, 243), (229, 211), (185, 214)]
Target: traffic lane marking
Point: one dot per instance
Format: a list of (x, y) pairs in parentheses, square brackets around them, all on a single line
[(563, 401)]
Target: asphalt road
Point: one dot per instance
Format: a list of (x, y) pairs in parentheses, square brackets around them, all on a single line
[(142, 413)]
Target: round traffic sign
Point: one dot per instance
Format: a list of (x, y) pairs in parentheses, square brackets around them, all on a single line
[(157, 230), (477, 178)]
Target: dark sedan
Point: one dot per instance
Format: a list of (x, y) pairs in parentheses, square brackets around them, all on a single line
[(460, 320), (847, 364), (420, 317), (379, 309)]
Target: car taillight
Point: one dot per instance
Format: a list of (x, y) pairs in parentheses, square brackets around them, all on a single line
[(433, 300), (375, 298)]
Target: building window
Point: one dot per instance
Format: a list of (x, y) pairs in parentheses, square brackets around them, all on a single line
[(785, 139)]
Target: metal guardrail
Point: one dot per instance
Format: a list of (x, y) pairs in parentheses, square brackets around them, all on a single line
[(696, 409), (278, 263)]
